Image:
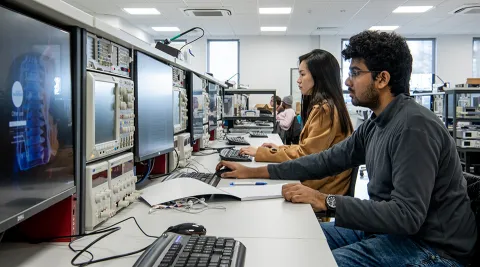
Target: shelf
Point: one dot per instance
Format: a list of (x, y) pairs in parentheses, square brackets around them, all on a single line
[(460, 149), (427, 94), (249, 91), (463, 91), (249, 118), (468, 119)]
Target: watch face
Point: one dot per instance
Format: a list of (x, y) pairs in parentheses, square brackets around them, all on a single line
[(331, 202)]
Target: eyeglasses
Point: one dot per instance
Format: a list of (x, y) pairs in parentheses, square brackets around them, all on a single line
[(354, 73)]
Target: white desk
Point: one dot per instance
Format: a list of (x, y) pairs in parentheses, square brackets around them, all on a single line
[(275, 232)]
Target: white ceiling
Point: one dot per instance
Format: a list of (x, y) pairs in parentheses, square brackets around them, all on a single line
[(348, 16)]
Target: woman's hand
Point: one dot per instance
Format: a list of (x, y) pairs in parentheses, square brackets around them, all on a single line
[(251, 151), (270, 145)]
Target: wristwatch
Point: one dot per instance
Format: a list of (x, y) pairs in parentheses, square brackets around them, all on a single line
[(331, 202)]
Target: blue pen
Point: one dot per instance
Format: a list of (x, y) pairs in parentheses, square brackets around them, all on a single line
[(248, 183)]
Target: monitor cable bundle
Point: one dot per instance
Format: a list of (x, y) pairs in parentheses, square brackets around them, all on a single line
[(105, 232)]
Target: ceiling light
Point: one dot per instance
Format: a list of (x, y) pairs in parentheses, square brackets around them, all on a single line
[(166, 29), (383, 28), (273, 29), (412, 9), (275, 10), (142, 11)]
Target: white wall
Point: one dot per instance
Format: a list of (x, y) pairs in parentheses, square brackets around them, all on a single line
[(265, 61)]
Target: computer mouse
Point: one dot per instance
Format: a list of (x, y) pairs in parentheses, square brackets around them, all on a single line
[(188, 229), (221, 171)]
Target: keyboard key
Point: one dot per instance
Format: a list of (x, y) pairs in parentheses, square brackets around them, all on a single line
[(215, 258)]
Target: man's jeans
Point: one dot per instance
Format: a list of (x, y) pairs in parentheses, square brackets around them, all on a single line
[(354, 248)]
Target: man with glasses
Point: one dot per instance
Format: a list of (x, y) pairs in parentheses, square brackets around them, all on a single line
[(419, 213)]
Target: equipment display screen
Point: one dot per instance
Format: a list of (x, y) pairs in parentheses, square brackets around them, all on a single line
[(99, 178), (116, 171), (212, 109), (104, 112)]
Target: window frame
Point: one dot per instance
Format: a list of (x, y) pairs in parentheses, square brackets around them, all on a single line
[(238, 53), (475, 39)]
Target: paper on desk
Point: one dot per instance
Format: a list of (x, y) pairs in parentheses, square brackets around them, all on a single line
[(187, 187), (254, 192)]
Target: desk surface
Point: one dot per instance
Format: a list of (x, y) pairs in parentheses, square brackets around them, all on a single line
[(275, 232)]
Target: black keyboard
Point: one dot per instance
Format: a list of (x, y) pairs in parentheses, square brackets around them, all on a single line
[(238, 141), (258, 135), (209, 178), (173, 250), (233, 155)]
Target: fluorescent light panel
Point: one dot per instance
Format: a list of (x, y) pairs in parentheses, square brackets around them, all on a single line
[(383, 28), (412, 9), (273, 29), (142, 11), (166, 29), (275, 10)]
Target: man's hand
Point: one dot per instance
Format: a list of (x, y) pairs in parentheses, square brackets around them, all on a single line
[(298, 193), (251, 151), (238, 170), (270, 145)]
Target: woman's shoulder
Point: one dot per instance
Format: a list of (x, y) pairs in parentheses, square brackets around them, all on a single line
[(322, 107)]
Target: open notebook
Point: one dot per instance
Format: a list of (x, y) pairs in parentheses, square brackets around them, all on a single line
[(187, 187)]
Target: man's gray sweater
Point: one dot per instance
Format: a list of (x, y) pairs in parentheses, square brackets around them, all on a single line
[(416, 185)]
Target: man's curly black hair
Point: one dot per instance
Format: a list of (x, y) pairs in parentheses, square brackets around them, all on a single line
[(383, 51)]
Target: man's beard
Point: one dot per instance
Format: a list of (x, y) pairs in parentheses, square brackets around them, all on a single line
[(369, 99)]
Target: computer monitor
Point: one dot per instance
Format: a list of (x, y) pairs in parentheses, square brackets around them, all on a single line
[(196, 109), (37, 154), (110, 115), (212, 109), (153, 107)]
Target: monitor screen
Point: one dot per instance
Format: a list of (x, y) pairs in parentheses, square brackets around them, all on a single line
[(198, 106), (153, 107), (176, 107), (37, 157), (212, 109), (104, 112)]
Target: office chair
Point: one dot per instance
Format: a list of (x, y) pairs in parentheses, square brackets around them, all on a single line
[(326, 215), (473, 190)]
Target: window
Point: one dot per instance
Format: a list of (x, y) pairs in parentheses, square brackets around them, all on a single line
[(223, 59), (423, 53), (423, 69), (476, 57), (345, 64)]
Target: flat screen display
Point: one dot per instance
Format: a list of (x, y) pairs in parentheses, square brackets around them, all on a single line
[(212, 108), (197, 106), (104, 112), (154, 107), (36, 137)]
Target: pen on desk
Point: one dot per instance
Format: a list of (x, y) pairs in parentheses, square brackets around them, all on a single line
[(248, 183)]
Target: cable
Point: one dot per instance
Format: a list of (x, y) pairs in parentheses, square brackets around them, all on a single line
[(205, 168), (108, 231), (204, 154), (186, 167), (439, 78), (149, 170), (166, 174), (203, 33)]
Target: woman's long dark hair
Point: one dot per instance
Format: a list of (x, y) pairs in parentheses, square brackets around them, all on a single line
[(327, 86)]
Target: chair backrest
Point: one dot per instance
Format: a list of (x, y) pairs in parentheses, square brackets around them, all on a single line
[(293, 134), (473, 190), (353, 182)]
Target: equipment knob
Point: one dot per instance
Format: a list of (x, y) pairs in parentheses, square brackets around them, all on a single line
[(116, 189), (123, 203), (98, 198), (105, 214)]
